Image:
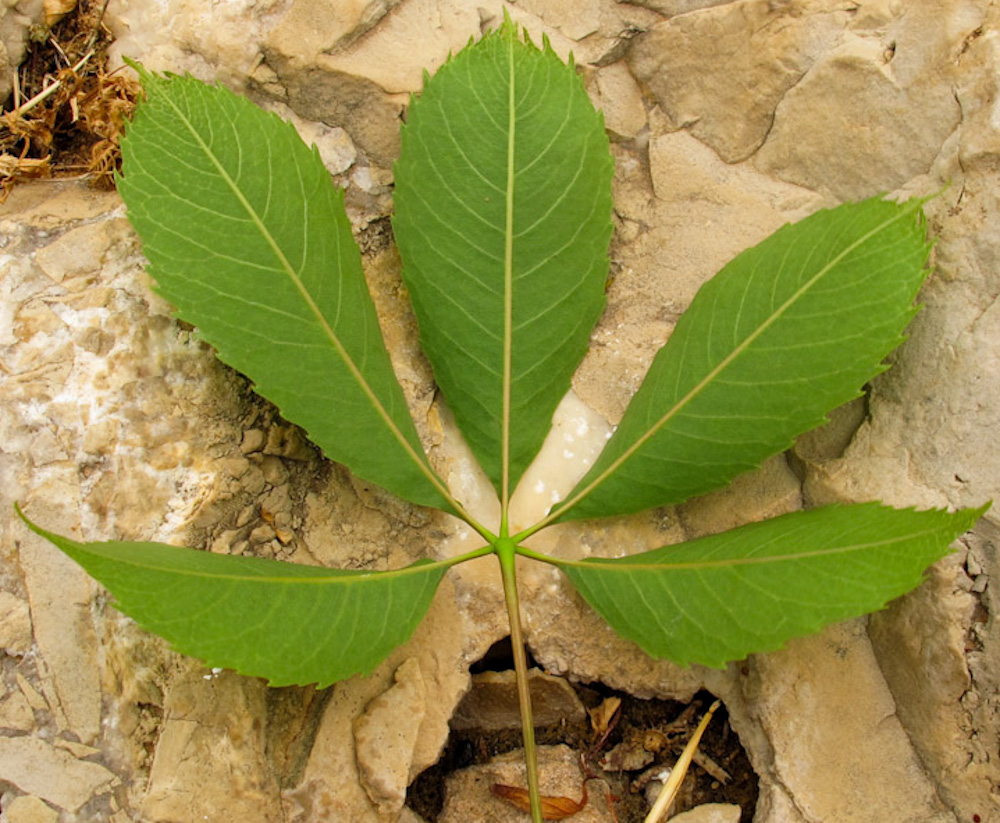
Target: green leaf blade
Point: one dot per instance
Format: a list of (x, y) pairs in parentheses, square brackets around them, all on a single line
[(288, 623), (503, 209), (764, 352), (751, 589), (247, 237)]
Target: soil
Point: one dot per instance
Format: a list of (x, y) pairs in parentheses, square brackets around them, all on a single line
[(636, 720)]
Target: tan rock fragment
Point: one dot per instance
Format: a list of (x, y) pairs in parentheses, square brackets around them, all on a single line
[(852, 128), (921, 645), (672, 7), (333, 77), (330, 787), (385, 736), (16, 713), (315, 26), (710, 813), (81, 251), (614, 91), (210, 756), (31, 695), (30, 809), (60, 593), (573, 18), (492, 702), (830, 717), (721, 72), (770, 491), (15, 624), (52, 774)]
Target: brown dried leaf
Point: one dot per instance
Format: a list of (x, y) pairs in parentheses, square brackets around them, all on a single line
[(553, 808), (56, 10), (601, 716)]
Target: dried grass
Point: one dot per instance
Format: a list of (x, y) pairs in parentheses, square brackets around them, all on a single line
[(66, 115)]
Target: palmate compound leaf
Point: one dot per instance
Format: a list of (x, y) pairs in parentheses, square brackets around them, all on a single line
[(247, 237), (786, 332), (288, 623), (750, 589), (503, 218)]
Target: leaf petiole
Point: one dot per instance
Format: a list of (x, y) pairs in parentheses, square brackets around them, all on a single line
[(507, 551)]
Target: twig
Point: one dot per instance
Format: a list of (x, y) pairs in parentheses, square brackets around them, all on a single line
[(48, 91), (669, 790)]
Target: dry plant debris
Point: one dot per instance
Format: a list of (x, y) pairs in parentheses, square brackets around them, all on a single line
[(66, 114)]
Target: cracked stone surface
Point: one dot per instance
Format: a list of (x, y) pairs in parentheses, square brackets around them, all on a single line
[(728, 119)]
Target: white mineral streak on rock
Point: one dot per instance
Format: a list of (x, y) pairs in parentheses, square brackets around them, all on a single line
[(38, 768), (577, 437)]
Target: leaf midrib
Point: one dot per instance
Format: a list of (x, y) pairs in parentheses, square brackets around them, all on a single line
[(508, 295), (612, 565), (332, 576)]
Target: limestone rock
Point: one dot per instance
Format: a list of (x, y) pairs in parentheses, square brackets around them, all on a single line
[(574, 18), (826, 709), (852, 128), (330, 784), (210, 41), (318, 26), (386, 734), (81, 251), (926, 632), (492, 702), (672, 7), (770, 491), (210, 755), (710, 813), (15, 624), (30, 809), (60, 595), (699, 66), (38, 768), (614, 91), (332, 74), (16, 713)]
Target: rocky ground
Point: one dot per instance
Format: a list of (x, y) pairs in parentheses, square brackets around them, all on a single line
[(728, 119)]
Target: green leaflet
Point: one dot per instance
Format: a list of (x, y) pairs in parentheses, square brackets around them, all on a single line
[(786, 332), (289, 623), (751, 589), (503, 218), (247, 237)]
